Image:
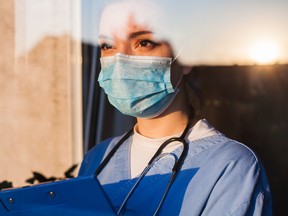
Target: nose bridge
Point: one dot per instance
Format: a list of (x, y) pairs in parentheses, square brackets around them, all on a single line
[(125, 48)]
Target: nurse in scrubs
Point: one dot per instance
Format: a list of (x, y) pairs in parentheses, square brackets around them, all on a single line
[(142, 76)]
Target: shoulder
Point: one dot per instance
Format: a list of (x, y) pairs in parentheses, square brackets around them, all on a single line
[(219, 146), (225, 159), (237, 154), (226, 166), (204, 139)]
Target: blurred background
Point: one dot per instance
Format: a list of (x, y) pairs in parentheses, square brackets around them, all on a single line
[(53, 112)]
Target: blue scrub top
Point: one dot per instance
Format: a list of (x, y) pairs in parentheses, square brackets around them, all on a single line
[(219, 177)]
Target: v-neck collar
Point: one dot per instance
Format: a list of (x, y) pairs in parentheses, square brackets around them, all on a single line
[(116, 178)]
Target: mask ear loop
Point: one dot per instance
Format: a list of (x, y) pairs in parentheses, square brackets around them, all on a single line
[(181, 76), (178, 54)]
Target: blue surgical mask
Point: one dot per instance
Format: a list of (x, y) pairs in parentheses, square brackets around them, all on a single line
[(138, 86)]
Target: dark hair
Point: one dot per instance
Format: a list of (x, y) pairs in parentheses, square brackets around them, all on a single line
[(193, 95)]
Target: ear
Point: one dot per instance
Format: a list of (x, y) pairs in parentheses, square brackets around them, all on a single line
[(186, 70)]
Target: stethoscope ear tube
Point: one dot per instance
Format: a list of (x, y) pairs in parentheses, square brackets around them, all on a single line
[(141, 176), (112, 152), (171, 180), (181, 139), (144, 172), (158, 155)]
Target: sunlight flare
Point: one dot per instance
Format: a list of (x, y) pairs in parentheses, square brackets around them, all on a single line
[(264, 52)]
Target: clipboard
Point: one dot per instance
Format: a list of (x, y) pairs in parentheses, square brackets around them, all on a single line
[(70, 197)]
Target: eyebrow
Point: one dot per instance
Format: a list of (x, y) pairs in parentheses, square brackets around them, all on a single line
[(139, 33), (131, 36)]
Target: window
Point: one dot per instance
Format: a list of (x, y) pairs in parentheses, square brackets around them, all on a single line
[(238, 54), (40, 82)]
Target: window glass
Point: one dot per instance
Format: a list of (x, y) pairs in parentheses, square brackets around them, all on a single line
[(202, 32), (237, 52), (40, 88)]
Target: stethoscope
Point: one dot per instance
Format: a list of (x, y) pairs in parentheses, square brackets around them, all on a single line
[(157, 156)]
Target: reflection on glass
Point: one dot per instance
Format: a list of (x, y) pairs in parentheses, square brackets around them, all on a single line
[(205, 32)]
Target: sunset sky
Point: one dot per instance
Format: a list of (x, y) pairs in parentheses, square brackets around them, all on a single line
[(216, 32), (240, 31)]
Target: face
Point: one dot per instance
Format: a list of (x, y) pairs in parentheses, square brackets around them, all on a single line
[(135, 28)]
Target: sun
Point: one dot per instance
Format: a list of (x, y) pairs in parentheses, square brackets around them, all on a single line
[(264, 52)]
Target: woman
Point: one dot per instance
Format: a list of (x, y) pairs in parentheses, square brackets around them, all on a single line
[(142, 78)]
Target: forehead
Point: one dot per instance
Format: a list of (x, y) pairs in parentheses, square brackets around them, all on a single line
[(120, 19)]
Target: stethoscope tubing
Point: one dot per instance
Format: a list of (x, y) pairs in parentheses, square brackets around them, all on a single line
[(112, 152), (141, 176), (157, 156)]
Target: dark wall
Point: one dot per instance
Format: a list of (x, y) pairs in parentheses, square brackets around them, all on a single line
[(250, 104)]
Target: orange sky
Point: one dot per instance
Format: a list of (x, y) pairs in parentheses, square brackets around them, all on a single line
[(216, 32)]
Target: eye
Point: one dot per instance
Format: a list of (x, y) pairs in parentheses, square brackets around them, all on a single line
[(145, 43), (106, 46)]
